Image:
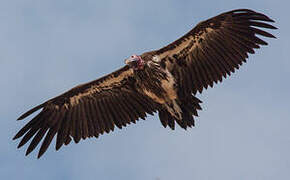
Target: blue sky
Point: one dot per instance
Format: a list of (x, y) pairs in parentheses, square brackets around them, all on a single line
[(47, 47)]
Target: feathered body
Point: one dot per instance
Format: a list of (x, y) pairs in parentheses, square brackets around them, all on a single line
[(164, 81)]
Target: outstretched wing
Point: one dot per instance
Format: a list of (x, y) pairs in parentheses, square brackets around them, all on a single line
[(85, 111), (214, 48)]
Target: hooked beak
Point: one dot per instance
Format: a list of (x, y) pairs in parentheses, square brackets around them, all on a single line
[(127, 61), (131, 62)]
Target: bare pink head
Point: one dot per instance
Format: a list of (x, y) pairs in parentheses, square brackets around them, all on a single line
[(135, 61)]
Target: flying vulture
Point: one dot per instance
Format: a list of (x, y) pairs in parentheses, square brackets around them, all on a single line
[(164, 81)]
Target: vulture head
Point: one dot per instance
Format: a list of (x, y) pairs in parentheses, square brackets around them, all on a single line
[(135, 62)]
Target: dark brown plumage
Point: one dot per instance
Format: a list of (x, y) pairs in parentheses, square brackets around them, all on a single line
[(164, 80)]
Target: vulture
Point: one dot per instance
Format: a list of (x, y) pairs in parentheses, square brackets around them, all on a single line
[(165, 81)]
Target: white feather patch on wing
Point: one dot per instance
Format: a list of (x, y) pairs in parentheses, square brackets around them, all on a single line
[(185, 43), (106, 84), (113, 80), (156, 58)]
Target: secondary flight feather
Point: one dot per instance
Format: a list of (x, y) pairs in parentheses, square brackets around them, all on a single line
[(164, 81)]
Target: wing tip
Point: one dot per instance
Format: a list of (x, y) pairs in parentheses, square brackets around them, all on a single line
[(29, 112), (40, 154), (252, 12), (28, 151)]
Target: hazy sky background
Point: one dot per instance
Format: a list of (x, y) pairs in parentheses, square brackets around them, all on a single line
[(47, 47)]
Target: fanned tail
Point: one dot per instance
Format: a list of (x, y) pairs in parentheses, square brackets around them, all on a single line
[(188, 106)]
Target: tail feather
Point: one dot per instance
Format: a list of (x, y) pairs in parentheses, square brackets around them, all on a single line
[(166, 119), (188, 106)]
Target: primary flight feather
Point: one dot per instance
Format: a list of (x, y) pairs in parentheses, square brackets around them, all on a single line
[(165, 80)]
